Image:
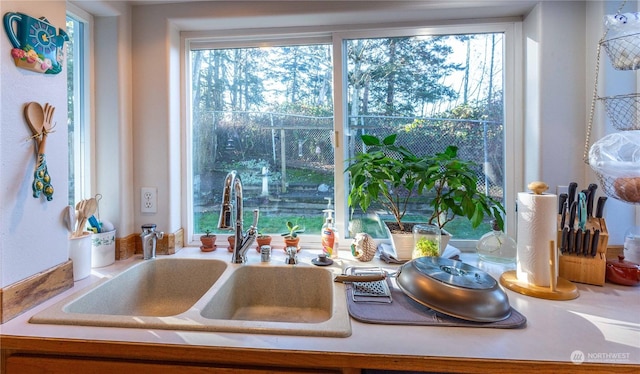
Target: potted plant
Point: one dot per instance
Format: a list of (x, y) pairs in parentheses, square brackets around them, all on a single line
[(208, 241), (387, 174), (262, 239), (291, 238), (392, 176)]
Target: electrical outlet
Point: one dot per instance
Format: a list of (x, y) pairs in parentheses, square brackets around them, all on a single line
[(149, 200)]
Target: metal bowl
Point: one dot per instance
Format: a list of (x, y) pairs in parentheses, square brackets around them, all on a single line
[(454, 288)]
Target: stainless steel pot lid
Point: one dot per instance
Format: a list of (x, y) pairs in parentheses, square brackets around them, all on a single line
[(455, 273), (454, 288)]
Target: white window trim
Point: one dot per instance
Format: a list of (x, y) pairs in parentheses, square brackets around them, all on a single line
[(84, 162), (513, 83)]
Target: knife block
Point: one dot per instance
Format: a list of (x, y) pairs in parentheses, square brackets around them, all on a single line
[(585, 269)]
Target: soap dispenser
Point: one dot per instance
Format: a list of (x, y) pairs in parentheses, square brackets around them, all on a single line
[(329, 237)]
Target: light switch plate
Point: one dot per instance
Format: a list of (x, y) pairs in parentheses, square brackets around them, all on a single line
[(149, 200)]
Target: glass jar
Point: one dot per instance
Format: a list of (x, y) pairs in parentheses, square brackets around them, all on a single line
[(496, 246), (426, 241)]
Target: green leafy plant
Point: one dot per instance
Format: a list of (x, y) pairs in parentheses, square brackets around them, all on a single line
[(293, 230), (455, 185), (384, 173), (391, 175), (207, 233)]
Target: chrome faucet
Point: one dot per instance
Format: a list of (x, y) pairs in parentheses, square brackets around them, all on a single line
[(149, 237), (233, 184)]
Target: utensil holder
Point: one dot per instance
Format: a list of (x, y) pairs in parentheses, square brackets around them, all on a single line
[(586, 269), (103, 249), (80, 255)]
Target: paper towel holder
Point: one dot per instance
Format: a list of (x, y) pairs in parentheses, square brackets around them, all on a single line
[(561, 290)]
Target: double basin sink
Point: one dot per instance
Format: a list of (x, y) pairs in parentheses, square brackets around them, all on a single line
[(211, 295)]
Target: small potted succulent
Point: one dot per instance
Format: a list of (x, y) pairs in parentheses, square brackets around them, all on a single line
[(262, 239), (291, 238), (208, 241)]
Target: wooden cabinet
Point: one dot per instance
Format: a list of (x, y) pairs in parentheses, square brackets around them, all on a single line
[(28, 364)]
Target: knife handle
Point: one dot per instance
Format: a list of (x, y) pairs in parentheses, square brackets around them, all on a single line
[(600, 206), (586, 242), (572, 214), (562, 198), (578, 242), (590, 197), (571, 192), (594, 243), (564, 240)]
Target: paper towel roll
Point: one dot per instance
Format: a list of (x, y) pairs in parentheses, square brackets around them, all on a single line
[(536, 228)]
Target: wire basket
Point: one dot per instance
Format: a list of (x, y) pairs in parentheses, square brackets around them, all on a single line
[(615, 159), (624, 51), (623, 111)]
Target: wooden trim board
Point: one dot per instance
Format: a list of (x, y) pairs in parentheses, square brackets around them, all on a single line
[(21, 296)]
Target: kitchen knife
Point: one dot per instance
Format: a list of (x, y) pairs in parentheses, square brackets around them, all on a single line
[(562, 198), (563, 219), (590, 197), (600, 207), (586, 243), (594, 243), (571, 192)]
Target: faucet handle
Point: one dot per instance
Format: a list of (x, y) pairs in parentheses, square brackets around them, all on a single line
[(292, 255)]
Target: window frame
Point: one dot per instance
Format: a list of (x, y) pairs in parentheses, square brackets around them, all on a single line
[(83, 98), (513, 106)]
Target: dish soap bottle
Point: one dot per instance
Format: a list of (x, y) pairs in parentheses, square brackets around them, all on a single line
[(496, 246), (329, 238)]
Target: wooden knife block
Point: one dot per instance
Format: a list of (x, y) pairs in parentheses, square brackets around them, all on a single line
[(585, 269)]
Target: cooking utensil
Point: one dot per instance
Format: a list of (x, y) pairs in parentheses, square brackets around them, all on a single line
[(582, 210), (572, 214), (623, 272), (34, 114), (37, 120), (454, 288), (70, 218)]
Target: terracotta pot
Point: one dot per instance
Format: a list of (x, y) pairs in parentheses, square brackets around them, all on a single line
[(292, 242), (232, 241), (623, 272), (208, 242), (262, 240)]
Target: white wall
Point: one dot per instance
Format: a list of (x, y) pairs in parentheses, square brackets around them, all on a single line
[(33, 237)]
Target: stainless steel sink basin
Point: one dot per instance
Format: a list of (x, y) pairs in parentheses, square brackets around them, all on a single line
[(274, 293), (163, 287), (211, 295)]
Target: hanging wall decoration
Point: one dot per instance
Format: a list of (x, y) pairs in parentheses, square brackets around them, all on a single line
[(39, 121), (36, 46)]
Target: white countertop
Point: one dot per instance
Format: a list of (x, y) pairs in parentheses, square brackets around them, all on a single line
[(602, 324)]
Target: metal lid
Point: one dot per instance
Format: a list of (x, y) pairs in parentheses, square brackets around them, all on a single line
[(455, 273)]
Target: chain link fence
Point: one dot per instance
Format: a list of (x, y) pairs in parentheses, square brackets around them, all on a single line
[(281, 142)]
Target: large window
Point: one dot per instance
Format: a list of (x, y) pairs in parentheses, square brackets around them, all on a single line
[(77, 107), (268, 113)]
